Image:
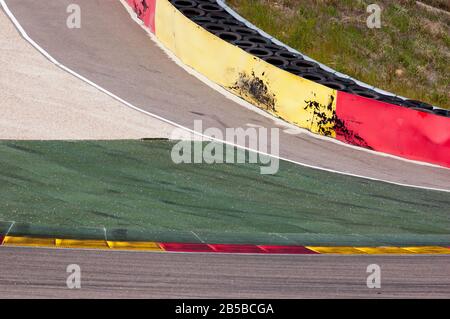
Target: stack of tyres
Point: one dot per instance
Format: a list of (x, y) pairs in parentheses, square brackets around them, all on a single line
[(419, 106), (441, 112), (212, 17), (192, 12)]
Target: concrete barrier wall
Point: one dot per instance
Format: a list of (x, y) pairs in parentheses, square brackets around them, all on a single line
[(352, 119)]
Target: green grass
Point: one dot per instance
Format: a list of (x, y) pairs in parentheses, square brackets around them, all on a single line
[(440, 4), (409, 55), (134, 191)]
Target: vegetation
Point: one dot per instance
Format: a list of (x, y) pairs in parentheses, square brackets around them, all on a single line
[(408, 56)]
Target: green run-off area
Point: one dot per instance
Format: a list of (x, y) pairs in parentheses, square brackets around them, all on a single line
[(131, 190)]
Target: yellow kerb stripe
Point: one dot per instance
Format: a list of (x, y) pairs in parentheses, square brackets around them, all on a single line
[(347, 250), (134, 245), (76, 243), (384, 250), (429, 250), (336, 250), (28, 241)]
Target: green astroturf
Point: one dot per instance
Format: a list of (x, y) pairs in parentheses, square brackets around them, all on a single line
[(131, 190)]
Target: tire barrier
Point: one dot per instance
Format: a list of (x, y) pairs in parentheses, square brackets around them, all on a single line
[(245, 44), (192, 12), (259, 52), (242, 30), (219, 16), (201, 20), (210, 7), (333, 85), (283, 83), (184, 3), (230, 23), (308, 66), (259, 40), (288, 55), (214, 27), (276, 61), (361, 91), (229, 36), (442, 112), (418, 104), (312, 76), (273, 47)]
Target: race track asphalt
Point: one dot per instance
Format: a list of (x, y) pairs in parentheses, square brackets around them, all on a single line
[(41, 273)]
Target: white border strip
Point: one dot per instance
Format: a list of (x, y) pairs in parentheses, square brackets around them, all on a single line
[(209, 83)]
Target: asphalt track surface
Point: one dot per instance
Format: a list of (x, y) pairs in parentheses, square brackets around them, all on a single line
[(114, 52), (41, 273)]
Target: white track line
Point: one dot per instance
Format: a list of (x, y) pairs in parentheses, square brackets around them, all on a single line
[(206, 81), (9, 229)]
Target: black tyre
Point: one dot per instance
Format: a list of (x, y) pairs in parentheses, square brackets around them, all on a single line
[(257, 39), (418, 104), (294, 70), (184, 3), (422, 110), (315, 77), (229, 36), (244, 44), (272, 47), (304, 64), (392, 100), (259, 52), (203, 20), (192, 12), (231, 23), (441, 112), (215, 27), (288, 55), (365, 93), (210, 7), (333, 85), (276, 61), (219, 15), (244, 31), (344, 81)]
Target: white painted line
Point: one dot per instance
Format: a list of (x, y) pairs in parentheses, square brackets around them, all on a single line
[(197, 236), (212, 85), (9, 229)]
